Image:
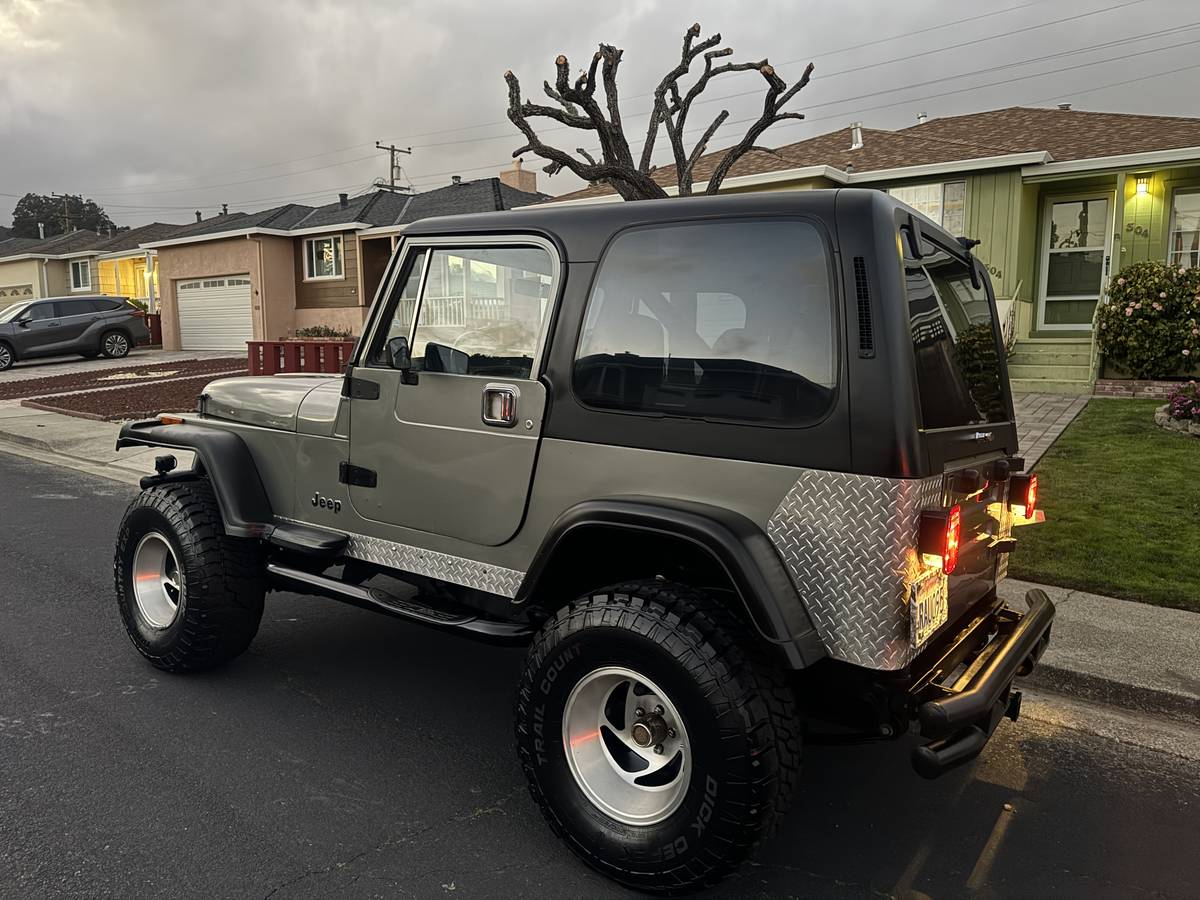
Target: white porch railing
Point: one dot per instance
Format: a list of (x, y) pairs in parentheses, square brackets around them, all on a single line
[(455, 311)]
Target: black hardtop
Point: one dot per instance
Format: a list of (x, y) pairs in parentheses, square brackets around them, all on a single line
[(582, 229)]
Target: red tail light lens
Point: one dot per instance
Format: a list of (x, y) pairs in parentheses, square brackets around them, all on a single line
[(1023, 494), (940, 537), (953, 534)]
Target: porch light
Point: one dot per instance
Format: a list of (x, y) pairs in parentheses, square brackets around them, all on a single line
[(1143, 184)]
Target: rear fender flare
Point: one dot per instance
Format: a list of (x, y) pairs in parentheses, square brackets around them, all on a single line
[(731, 540), (226, 460)]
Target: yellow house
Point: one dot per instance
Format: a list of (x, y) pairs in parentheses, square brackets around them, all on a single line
[(126, 269)]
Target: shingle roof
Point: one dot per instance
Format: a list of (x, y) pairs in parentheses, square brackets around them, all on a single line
[(131, 238), (14, 246), (72, 242), (1065, 134), (481, 195)]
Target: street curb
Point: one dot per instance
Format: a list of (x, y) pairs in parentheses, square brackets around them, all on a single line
[(39, 451), (1071, 683), (62, 411), (25, 441)]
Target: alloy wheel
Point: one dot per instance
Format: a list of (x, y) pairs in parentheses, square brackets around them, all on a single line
[(626, 746), (116, 345), (157, 580)]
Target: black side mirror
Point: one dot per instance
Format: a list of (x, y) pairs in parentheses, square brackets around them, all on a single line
[(24, 321), (398, 354)]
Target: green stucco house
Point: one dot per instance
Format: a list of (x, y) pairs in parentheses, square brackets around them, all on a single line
[(1060, 199)]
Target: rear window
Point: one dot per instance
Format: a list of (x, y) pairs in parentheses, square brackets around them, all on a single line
[(721, 320), (956, 342), (112, 305)]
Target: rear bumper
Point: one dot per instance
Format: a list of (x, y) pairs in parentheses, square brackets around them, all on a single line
[(968, 690)]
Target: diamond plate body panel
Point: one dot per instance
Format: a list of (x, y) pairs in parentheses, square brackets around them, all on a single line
[(849, 545), (432, 564)]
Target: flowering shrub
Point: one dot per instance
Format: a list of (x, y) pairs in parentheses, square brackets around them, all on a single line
[(1151, 324), (1183, 403)]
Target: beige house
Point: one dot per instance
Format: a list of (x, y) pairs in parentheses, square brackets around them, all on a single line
[(55, 267), (265, 275)]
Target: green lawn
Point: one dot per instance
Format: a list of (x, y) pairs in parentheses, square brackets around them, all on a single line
[(1122, 502)]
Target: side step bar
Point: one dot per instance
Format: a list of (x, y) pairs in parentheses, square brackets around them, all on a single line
[(381, 601)]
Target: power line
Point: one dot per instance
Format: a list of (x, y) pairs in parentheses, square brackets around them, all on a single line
[(872, 43), (847, 49)]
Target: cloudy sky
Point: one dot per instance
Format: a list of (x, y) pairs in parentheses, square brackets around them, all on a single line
[(155, 108)]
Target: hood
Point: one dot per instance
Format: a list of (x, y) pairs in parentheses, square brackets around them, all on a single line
[(267, 402)]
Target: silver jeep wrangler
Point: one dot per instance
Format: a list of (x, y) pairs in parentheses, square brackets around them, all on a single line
[(723, 464)]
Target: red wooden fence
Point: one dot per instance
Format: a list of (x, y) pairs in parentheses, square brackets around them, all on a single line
[(272, 357)]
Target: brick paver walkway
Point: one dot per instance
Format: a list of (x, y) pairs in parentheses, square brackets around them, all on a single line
[(1041, 418)]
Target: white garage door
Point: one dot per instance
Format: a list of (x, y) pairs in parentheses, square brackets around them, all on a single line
[(215, 313)]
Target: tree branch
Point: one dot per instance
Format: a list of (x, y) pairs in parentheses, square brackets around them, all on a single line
[(581, 109)]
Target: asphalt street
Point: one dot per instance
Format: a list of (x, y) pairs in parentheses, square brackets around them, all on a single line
[(347, 754)]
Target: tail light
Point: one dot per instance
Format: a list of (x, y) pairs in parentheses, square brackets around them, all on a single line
[(940, 534), (1023, 495)]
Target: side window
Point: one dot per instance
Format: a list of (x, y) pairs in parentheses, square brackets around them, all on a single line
[(40, 311), (482, 312), (955, 344), (725, 320), (76, 307), (110, 305)]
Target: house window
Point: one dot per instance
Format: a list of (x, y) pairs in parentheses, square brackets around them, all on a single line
[(323, 258), (81, 275), (944, 203), (1183, 245)]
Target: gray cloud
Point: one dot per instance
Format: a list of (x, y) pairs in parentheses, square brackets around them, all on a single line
[(157, 108)]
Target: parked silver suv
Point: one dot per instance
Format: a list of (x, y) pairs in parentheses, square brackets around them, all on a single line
[(57, 326)]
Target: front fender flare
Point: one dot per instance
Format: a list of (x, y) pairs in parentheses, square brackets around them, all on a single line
[(224, 457), (738, 545)]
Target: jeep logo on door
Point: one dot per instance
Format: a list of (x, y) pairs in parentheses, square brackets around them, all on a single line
[(326, 502)]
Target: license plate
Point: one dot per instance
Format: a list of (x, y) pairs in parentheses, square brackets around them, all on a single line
[(928, 607)]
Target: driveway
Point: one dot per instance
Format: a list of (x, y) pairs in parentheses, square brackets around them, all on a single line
[(70, 365)]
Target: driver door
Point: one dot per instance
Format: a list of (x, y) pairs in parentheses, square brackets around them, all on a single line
[(38, 329), (448, 445)]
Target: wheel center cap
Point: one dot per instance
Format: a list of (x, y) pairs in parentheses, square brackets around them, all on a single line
[(648, 731)]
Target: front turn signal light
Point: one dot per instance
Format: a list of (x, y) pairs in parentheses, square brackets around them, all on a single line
[(940, 537)]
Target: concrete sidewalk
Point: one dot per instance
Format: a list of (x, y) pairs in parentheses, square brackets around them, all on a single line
[(81, 444), (1116, 652), (1140, 657)]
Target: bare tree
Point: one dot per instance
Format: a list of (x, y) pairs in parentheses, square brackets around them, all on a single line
[(578, 107)]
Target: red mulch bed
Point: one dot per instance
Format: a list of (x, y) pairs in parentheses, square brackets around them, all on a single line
[(139, 401), (52, 384)]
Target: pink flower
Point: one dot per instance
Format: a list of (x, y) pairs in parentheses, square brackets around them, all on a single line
[(1120, 281), (1196, 332), (1129, 311), (1182, 270), (1157, 305), (1137, 305), (1163, 295)]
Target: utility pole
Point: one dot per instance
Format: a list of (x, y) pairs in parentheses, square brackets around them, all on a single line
[(392, 150), (66, 213)]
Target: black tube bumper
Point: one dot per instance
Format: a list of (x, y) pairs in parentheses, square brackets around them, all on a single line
[(961, 718)]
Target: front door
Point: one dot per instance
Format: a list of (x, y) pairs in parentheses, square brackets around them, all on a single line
[(38, 329), (1076, 238), (448, 446)]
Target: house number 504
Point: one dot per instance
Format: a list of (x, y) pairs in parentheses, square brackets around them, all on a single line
[(1139, 230)]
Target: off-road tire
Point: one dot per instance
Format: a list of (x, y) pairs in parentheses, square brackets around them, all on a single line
[(8, 356), (738, 711), (224, 580), (114, 351)]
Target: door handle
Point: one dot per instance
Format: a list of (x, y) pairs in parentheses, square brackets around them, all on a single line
[(500, 405)]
